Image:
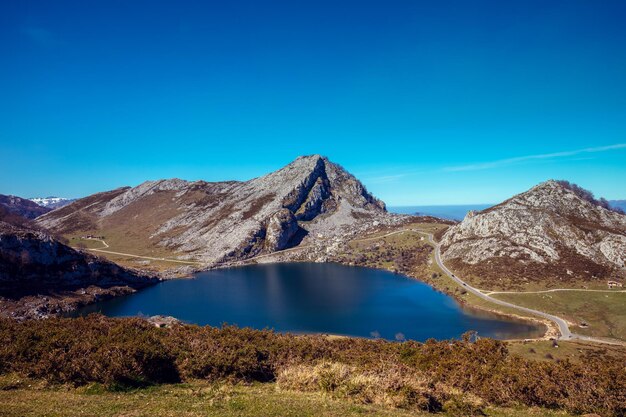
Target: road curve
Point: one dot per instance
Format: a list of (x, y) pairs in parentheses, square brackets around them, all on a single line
[(566, 334)]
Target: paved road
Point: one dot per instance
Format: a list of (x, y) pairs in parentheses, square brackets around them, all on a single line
[(562, 325), (566, 334)]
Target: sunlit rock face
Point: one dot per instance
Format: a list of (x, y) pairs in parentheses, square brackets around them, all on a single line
[(549, 225), (232, 220), (281, 228)]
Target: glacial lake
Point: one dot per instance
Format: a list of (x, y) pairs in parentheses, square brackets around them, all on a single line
[(314, 298)]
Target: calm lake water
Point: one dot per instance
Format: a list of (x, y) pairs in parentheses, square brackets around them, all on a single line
[(313, 298)]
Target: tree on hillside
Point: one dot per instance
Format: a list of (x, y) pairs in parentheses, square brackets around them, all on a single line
[(588, 196)]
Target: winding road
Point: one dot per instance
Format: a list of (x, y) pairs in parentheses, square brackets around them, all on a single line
[(566, 334)]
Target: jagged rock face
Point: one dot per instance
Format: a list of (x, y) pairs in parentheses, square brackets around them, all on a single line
[(21, 207), (31, 260), (215, 222), (282, 226), (548, 225)]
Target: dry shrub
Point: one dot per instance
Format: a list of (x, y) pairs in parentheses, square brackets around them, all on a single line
[(463, 403), (396, 387)]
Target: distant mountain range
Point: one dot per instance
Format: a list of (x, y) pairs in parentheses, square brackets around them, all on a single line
[(22, 207), (52, 202)]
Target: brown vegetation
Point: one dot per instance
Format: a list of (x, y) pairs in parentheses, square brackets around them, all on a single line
[(449, 376), (588, 196), (488, 274)]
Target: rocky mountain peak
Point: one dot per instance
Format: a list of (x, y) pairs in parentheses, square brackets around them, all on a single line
[(555, 224), (565, 199), (217, 221)]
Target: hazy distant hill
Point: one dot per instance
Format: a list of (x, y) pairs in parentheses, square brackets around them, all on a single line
[(550, 234), (311, 198), (52, 202), (22, 206)]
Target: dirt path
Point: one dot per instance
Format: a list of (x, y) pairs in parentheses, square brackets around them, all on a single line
[(130, 255)]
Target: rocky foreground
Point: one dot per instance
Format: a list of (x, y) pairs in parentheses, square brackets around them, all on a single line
[(40, 276), (553, 234)]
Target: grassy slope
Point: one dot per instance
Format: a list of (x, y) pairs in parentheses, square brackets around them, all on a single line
[(605, 313), (30, 398), (574, 351), (76, 241)]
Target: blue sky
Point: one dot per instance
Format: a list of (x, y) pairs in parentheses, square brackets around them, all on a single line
[(427, 102)]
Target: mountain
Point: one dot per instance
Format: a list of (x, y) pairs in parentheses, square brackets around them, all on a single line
[(21, 206), (556, 232), (309, 200), (52, 202), (37, 271)]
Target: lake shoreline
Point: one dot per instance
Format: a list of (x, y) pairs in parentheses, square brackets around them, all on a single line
[(421, 312)]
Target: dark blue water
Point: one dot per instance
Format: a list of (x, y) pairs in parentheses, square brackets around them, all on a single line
[(456, 212), (313, 298)]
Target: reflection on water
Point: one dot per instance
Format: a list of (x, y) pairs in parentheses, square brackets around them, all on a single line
[(314, 298)]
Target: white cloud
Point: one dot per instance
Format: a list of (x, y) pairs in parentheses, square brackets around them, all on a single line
[(511, 161)]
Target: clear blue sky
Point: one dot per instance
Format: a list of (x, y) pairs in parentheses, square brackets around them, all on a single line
[(427, 102)]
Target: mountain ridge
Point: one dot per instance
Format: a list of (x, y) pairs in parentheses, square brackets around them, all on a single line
[(216, 222), (52, 202), (22, 206)]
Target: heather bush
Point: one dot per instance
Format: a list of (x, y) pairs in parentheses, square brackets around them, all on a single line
[(84, 350), (459, 377)]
